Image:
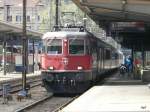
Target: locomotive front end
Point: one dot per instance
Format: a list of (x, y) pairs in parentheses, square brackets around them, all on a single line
[(66, 65)]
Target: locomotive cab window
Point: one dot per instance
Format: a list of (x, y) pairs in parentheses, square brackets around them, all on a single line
[(76, 46), (54, 46)]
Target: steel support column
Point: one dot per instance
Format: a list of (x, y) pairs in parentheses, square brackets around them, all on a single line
[(132, 56), (4, 55), (25, 48), (143, 56), (84, 20), (12, 50), (56, 20), (33, 55)]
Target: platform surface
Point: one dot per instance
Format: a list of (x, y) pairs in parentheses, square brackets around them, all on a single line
[(15, 75), (125, 98)]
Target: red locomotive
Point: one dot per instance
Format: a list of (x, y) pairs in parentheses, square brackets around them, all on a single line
[(71, 61)]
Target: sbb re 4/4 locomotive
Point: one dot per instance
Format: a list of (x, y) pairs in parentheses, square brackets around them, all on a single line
[(71, 61)]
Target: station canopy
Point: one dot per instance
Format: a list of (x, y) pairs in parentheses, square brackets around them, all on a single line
[(115, 11), (8, 28)]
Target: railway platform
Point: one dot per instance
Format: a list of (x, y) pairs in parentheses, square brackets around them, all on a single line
[(126, 79), (16, 75), (117, 94)]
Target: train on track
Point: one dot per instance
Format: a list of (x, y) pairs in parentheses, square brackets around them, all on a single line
[(13, 59), (72, 60)]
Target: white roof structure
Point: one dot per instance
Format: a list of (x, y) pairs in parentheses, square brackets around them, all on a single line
[(7, 27)]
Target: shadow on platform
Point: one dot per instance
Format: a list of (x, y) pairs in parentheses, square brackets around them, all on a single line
[(123, 79)]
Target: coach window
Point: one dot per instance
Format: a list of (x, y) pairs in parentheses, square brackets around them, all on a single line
[(76, 46), (54, 46), (108, 55)]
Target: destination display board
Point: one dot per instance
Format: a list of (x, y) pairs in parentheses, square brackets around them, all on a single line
[(127, 26)]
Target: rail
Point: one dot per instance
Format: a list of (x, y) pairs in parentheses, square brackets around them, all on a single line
[(34, 103), (64, 105), (16, 85)]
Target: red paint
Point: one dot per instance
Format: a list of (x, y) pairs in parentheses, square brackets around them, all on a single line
[(8, 58), (65, 61), (73, 62)]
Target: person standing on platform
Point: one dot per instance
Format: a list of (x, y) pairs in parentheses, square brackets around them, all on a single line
[(128, 64), (131, 64), (137, 64)]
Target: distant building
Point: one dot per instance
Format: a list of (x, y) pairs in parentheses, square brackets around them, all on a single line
[(11, 11)]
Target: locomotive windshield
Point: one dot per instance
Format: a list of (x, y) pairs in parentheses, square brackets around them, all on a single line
[(54, 46), (76, 46)]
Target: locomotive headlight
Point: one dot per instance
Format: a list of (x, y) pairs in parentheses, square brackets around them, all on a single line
[(51, 68), (80, 68)]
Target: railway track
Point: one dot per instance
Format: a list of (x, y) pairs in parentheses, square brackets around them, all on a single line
[(16, 84), (62, 106), (49, 103), (56, 103), (30, 106)]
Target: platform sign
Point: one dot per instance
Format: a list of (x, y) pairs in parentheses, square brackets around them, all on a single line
[(18, 60), (127, 26), (6, 89), (18, 63), (6, 92)]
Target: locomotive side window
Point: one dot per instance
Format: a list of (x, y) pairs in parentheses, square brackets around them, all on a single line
[(54, 46), (76, 46)]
